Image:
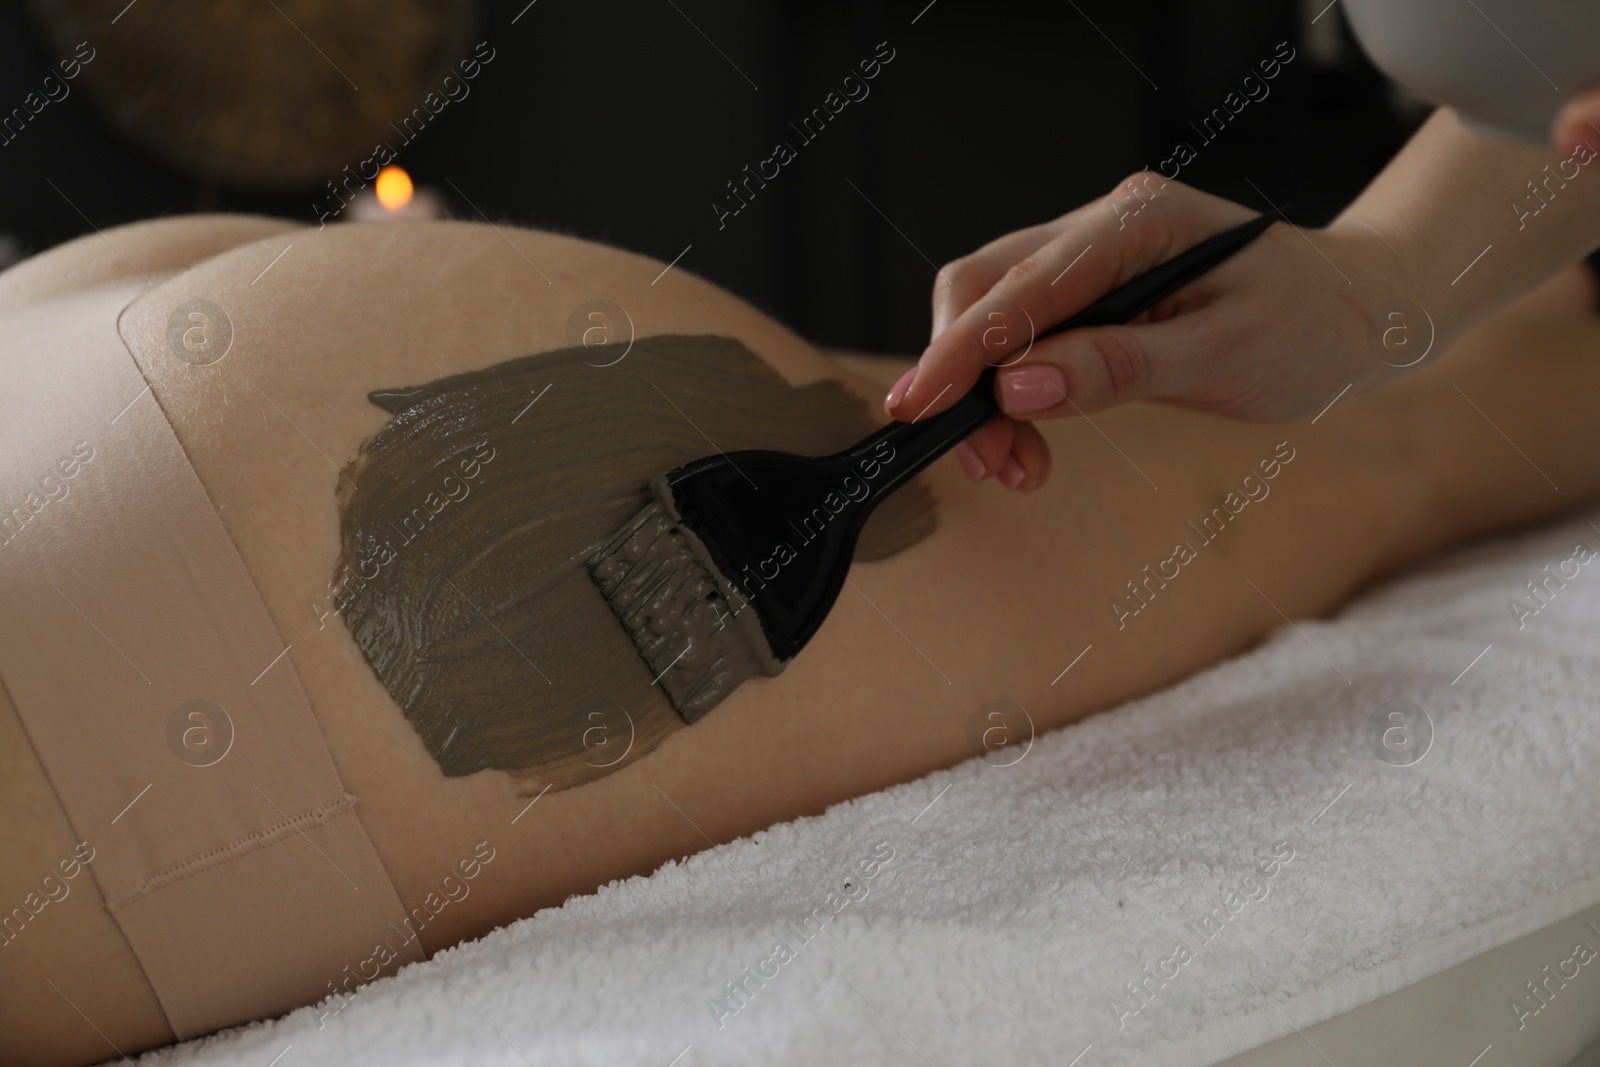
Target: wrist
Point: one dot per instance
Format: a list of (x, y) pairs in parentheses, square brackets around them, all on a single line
[(1399, 263), (1392, 322), (1471, 223)]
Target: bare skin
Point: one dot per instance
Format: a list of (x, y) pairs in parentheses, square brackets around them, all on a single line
[(992, 606)]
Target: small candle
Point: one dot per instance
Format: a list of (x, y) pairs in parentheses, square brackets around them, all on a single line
[(392, 196)]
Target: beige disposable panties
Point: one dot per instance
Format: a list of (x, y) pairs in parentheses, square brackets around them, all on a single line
[(153, 685)]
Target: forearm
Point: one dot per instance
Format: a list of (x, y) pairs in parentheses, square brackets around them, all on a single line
[(1470, 223)]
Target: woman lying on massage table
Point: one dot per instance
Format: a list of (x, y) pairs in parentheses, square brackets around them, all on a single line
[(1164, 541)]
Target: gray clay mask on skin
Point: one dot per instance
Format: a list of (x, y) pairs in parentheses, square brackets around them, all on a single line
[(466, 519)]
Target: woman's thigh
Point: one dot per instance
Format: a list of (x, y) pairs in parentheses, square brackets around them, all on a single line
[(1010, 590)]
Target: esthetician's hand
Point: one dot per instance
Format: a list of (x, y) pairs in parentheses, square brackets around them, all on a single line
[(1284, 327), (1272, 334)]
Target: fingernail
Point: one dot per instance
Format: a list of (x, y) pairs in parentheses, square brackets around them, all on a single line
[(899, 390), (1034, 387), (970, 461), (1011, 473)]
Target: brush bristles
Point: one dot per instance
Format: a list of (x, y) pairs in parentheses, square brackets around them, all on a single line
[(697, 644)]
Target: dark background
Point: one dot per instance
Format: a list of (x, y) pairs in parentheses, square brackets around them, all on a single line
[(620, 121)]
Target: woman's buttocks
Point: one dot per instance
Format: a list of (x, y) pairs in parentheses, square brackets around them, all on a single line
[(264, 345), (266, 359)]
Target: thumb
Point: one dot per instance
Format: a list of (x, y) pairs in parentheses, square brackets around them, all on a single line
[(1084, 371)]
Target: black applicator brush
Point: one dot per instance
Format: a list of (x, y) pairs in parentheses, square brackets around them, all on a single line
[(734, 564)]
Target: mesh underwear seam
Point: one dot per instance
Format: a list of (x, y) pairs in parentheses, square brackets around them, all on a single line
[(265, 837)]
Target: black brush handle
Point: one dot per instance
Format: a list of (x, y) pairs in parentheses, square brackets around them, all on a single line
[(917, 444)]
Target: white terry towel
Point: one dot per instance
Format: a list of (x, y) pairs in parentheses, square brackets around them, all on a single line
[(1004, 914)]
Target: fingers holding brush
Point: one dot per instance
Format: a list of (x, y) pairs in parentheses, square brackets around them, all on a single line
[(991, 306), (1003, 448)]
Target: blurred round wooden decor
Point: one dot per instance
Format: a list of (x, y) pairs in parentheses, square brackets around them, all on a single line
[(269, 95)]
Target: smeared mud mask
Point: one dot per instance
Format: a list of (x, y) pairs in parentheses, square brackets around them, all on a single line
[(472, 511)]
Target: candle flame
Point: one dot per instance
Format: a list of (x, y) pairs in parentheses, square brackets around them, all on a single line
[(393, 187)]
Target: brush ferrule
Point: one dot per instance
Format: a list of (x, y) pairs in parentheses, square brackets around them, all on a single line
[(696, 631)]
